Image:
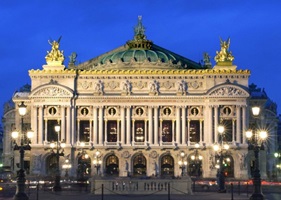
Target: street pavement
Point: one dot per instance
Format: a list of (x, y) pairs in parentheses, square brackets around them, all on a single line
[(81, 195), (271, 193)]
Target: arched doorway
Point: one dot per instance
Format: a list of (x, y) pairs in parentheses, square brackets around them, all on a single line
[(167, 166), (139, 165), (51, 165), (195, 165), (83, 167), (112, 165), (228, 164)]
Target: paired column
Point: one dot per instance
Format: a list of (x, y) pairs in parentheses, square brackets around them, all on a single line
[(156, 118), (95, 129), (183, 120)]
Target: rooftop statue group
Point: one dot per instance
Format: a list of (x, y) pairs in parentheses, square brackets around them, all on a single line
[(224, 55), (55, 56)]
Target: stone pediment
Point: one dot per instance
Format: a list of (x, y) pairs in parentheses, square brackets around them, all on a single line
[(228, 91), (52, 91)]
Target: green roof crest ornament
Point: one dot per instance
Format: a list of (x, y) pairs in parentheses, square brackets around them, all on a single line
[(139, 41)]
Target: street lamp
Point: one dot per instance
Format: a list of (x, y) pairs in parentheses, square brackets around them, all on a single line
[(278, 165), (59, 146), (197, 159), (255, 139), (221, 146), (66, 166), (24, 145), (97, 161), (182, 163)]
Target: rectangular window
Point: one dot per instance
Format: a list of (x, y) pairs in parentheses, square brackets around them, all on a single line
[(84, 135), (194, 131), (167, 131), (227, 130), (52, 135), (112, 131), (139, 131)]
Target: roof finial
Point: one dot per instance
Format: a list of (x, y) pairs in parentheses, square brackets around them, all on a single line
[(139, 30), (139, 41)]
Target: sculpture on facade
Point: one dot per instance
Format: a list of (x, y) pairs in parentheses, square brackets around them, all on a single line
[(72, 58), (126, 87), (55, 56), (224, 55)]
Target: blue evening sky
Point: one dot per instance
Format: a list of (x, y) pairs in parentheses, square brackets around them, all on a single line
[(186, 27)]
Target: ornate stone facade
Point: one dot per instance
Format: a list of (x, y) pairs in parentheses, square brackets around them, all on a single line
[(141, 116)]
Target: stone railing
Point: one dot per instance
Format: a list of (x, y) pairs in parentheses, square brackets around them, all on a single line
[(141, 186)]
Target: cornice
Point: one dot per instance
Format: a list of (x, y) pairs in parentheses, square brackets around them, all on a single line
[(163, 72)]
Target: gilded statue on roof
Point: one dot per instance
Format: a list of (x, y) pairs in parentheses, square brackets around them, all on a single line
[(55, 56), (224, 55)]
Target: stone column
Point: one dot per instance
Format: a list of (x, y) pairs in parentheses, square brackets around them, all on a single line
[(62, 123), (78, 130), (233, 131), (133, 131), (188, 132), (105, 131), (160, 132), (95, 131), (216, 123), (178, 125), (238, 124), (68, 125), (123, 120), (128, 115), (244, 126), (201, 132), (100, 125), (183, 119), (150, 122), (41, 125), (156, 129)]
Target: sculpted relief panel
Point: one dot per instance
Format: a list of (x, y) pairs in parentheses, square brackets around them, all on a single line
[(52, 91), (228, 91)]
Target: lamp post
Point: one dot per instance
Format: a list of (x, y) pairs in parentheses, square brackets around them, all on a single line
[(97, 161), (59, 145), (182, 163), (220, 147), (24, 145), (196, 158), (255, 139), (278, 165), (66, 166)]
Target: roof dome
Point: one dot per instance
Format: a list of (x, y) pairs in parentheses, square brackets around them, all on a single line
[(140, 51), (139, 55)]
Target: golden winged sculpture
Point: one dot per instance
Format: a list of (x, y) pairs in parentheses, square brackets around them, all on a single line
[(55, 56), (224, 56)]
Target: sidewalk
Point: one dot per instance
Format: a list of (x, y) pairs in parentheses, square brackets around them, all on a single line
[(70, 195)]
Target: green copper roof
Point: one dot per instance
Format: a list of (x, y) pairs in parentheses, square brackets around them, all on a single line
[(140, 50)]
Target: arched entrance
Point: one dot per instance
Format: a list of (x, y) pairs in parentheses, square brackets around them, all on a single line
[(195, 165), (51, 165), (228, 164), (139, 165), (167, 166), (112, 165), (83, 167)]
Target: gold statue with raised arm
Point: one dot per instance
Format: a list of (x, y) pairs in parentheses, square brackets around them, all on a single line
[(55, 56), (224, 56)]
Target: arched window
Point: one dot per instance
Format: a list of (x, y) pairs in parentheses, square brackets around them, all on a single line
[(139, 165), (112, 165), (167, 166), (84, 167)]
